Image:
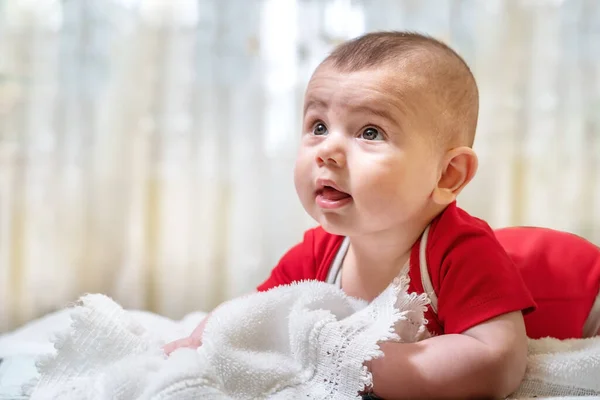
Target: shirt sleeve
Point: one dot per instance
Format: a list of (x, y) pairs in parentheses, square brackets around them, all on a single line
[(477, 280), (296, 265)]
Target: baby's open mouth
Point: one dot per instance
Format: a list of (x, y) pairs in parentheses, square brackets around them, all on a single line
[(329, 193)]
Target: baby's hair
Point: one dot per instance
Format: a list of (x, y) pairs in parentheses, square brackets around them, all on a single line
[(446, 76)]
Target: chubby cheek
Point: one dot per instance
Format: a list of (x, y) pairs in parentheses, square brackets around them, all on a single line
[(376, 193), (400, 190), (302, 180)]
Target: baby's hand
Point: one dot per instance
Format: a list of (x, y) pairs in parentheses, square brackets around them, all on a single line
[(190, 342)]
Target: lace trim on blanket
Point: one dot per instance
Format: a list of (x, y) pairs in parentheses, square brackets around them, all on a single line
[(395, 315)]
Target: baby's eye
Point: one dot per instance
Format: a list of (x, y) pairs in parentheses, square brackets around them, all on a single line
[(371, 134), (319, 129)]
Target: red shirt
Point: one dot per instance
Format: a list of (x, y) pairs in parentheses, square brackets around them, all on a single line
[(472, 275)]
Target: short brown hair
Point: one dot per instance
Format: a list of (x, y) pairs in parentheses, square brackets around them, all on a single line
[(448, 76)]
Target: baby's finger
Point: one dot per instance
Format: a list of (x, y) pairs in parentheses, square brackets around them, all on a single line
[(189, 342), (172, 346)]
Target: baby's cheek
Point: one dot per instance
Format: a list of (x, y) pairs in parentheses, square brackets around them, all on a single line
[(301, 177), (381, 197)]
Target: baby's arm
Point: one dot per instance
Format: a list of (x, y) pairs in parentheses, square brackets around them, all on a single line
[(486, 361)]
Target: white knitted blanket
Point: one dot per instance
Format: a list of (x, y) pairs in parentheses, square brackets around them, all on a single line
[(307, 340)]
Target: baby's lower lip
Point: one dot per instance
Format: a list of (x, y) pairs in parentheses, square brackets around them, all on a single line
[(329, 204)]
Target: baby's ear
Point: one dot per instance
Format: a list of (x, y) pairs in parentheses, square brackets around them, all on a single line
[(458, 167)]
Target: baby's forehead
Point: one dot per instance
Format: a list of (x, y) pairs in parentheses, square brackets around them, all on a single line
[(382, 85)]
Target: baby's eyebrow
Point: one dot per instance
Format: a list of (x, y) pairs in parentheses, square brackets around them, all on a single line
[(367, 109), (314, 103), (383, 112)]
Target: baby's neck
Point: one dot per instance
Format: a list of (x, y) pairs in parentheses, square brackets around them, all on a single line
[(373, 261)]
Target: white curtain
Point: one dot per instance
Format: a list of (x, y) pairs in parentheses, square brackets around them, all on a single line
[(146, 147)]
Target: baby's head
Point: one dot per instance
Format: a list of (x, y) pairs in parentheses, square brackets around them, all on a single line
[(389, 122)]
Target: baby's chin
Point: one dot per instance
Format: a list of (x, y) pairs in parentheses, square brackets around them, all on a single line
[(335, 224)]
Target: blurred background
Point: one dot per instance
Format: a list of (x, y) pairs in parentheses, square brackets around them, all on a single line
[(147, 146)]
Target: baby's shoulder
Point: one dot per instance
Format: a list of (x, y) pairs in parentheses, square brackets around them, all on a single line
[(456, 227)]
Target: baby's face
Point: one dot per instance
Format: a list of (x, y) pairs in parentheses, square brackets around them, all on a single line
[(366, 162)]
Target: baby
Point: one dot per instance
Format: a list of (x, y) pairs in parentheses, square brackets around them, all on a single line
[(388, 127)]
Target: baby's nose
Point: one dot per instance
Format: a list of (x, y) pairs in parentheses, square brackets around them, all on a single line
[(331, 153)]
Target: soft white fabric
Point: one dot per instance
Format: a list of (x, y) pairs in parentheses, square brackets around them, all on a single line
[(20, 348), (301, 341), (307, 340), (35, 338), (562, 368)]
